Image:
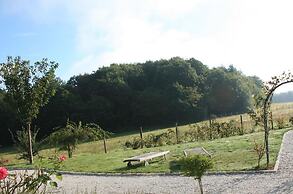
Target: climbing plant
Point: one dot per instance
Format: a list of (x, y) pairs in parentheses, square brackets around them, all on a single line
[(263, 103)]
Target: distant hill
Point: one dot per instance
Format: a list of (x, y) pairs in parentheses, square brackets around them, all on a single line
[(283, 97)]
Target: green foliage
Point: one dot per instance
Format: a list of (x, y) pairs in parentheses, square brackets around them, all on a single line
[(195, 166), (68, 137), (291, 120), (280, 123), (21, 142), (95, 132), (153, 140), (154, 93), (214, 131), (28, 87), (33, 182), (260, 151)]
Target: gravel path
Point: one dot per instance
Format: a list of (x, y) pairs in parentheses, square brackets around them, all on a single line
[(275, 182)]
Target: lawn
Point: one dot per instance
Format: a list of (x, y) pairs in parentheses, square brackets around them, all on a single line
[(229, 154)]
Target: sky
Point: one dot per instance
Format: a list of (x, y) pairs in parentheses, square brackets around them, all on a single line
[(256, 36)]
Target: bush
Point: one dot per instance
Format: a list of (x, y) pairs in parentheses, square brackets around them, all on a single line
[(35, 182), (216, 130), (128, 144), (137, 143), (195, 166), (21, 142), (152, 140), (281, 123), (291, 120), (260, 151)]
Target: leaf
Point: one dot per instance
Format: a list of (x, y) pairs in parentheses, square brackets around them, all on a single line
[(53, 184)]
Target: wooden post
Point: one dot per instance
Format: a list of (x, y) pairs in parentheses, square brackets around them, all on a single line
[(272, 122), (176, 130), (210, 121), (105, 146), (141, 138), (241, 124), (30, 145)]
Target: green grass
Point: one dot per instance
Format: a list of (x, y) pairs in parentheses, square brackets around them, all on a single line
[(229, 154)]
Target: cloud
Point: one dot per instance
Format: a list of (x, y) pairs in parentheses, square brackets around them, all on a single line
[(255, 36)]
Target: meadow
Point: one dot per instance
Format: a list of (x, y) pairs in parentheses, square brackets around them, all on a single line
[(228, 154)]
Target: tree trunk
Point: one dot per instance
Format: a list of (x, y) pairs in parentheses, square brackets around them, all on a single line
[(200, 185), (69, 151), (30, 146), (266, 133)]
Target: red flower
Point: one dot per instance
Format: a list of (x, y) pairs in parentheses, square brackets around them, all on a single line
[(62, 158), (3, 173)]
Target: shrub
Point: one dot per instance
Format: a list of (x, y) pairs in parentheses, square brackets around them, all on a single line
[(35, 182), (260, 151), (128, 144), (152, 140), (280, 123), (137, 143), (21, 142), (196, 166), (291, 120)]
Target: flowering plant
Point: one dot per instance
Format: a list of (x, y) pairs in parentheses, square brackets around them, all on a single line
[(31, 181), (62, 158), (3, 173)]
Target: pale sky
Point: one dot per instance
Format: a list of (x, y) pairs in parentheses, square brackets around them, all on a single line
[(256, 36)]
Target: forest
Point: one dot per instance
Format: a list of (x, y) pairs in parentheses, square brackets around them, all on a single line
[(123, 97)]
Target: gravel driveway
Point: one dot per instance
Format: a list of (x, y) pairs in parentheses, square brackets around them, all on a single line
[(274, 182)]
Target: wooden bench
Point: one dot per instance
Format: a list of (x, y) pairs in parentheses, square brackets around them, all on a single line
[(145, 157), (199, 150)]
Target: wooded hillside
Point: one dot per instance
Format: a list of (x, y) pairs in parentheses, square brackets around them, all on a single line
[(154, 93)]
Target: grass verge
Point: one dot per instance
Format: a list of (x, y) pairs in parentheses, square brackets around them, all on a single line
[(229, 154)]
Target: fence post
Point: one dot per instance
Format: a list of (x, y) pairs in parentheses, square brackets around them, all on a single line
[(140, 131), (176, 130), (241, 124), (105, 146)]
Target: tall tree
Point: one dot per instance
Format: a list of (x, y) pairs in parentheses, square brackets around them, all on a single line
[(28, 88)]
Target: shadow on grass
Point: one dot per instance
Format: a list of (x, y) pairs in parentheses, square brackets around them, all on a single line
[(136, 166), (174, 166)]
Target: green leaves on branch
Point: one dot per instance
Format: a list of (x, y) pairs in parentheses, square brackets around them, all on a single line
[(196, 166), (68, 137), (28, 87), (21, 142)]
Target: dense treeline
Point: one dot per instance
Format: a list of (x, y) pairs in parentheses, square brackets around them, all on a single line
[(283, 97), (154, 93)]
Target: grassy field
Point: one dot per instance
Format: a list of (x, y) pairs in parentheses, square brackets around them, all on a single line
[(233, 153)]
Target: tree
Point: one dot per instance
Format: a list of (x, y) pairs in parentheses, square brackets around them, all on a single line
[(196, 166), (67, 138), (28, 87)]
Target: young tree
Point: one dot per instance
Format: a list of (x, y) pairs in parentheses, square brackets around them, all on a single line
[(28, 87), (69, 136), (196, 166)]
